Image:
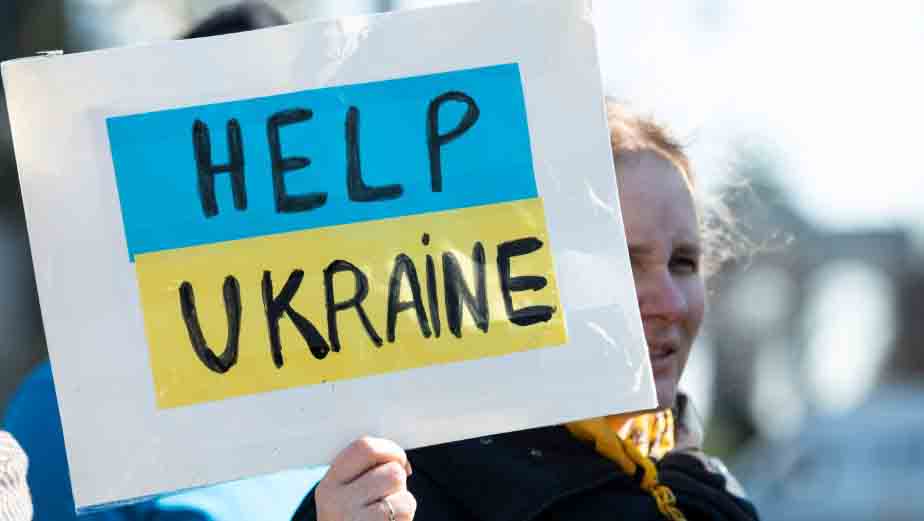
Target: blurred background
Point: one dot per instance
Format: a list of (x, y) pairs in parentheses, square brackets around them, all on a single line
[(805, 118)]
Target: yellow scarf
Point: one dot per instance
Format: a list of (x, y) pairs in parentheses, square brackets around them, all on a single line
[(632, 442)]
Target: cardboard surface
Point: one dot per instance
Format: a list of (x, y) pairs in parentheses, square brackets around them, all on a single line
[(134, 252)]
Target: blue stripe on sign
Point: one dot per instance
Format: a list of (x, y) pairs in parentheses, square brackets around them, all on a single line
[(156, 168)]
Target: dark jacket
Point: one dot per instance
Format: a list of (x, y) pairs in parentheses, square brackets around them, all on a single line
[(547, 474)]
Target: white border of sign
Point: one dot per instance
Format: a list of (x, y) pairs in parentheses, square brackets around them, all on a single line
[(120, 446)]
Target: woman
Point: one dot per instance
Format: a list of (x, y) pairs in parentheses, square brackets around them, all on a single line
[(643, 466)]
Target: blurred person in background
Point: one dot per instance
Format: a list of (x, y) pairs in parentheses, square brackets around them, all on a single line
[(15, 502), (647, 466)]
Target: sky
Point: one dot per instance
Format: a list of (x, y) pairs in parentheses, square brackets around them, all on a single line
[(831, 91)]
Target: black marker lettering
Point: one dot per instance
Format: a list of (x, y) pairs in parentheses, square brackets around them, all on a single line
[(356, 187), (435, 140), (276, 306), (232, 295), (530, 314), (286, 203), (202, 147), (432, 295), (362, 289), (404, 267), (458, 292)]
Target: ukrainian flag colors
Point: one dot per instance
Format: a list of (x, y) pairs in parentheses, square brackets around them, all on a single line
[(155, 161), (311, 266)]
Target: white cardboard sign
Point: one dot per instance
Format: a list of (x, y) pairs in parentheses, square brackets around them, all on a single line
[(251, 249)]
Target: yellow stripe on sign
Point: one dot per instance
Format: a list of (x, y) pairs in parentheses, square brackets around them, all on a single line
[(348, 301)]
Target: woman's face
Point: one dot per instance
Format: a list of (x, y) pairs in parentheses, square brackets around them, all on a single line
[(664, 247)]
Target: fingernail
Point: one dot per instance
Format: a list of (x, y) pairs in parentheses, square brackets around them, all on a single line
[(409, 469)]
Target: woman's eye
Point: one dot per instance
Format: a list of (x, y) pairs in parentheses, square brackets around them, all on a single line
[(685, 264)]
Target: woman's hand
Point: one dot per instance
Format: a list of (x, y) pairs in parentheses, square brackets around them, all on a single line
[(367, 481)]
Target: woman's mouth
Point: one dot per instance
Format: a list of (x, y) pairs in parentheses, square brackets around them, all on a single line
[(661, 356)]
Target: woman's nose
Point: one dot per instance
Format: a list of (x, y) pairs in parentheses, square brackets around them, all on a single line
[(660, 296)]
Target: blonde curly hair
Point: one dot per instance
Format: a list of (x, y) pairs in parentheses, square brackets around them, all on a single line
[(721, 236)]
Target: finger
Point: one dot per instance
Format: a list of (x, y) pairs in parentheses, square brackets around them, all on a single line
[(380, 481), (402, 503), (362, 455)]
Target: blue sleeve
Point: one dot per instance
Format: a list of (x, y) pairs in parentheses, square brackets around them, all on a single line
[(268, 497), (33, 418)]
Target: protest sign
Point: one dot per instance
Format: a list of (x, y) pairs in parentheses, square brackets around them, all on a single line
[(251, 249)]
